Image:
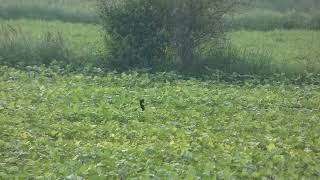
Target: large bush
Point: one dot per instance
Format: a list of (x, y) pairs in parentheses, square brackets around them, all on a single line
[(144, 32), (135, 32)]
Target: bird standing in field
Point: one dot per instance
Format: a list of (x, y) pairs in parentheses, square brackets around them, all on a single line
[(142, 104)]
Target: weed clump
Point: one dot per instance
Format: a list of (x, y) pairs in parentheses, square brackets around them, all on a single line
[(17, 48), (64, 10)]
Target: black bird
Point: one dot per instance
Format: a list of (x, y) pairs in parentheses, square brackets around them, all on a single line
[(142, 104)]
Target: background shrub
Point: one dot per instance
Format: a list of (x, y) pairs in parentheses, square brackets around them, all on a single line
[(135, 35), (142, 33)]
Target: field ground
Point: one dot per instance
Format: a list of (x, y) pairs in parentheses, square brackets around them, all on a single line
[(81, 126)]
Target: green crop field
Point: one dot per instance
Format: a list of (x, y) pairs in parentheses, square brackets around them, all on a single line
[(66, 113), (81, 126)]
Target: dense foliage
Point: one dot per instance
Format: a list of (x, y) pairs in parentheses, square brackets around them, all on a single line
[(142, 32), (135, 35)]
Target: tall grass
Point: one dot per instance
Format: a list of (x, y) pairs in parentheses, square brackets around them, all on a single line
[(32, 41), (21, 48), (17, 47), (232, 59)]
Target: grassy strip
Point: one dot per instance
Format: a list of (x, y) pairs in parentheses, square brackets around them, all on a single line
[(250, 52)]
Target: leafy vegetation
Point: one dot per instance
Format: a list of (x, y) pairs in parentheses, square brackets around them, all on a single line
[(75, 126), (135, 34), (142, 33)]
